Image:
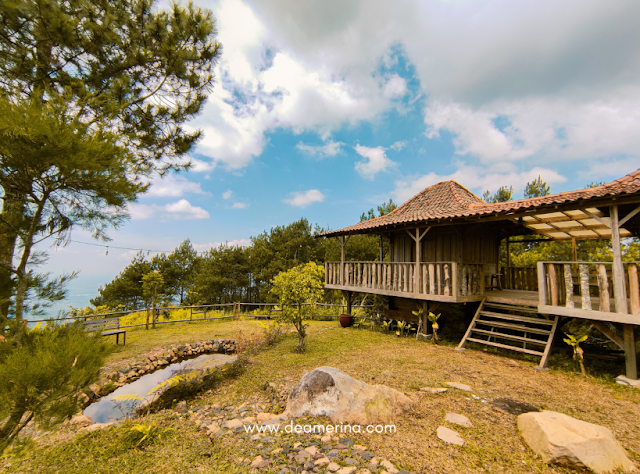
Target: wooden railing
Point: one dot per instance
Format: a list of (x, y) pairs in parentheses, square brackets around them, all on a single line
[(519, 278), (586, 285), (427, 278)]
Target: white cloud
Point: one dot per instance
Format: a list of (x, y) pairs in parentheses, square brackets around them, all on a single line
[(239, 205), (330, 148), (397, 146), (172, 185), (376, 162), (563, 74), (227, 194), (477, 179), (396, 86), (181, 209), (228, 243), (305, 198)]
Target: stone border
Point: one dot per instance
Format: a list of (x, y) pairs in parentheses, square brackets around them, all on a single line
[(114, 378)]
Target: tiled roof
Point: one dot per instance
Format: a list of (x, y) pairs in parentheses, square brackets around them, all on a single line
[(448, 200)]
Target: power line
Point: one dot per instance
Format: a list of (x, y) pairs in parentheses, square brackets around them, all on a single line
[(120, 248)]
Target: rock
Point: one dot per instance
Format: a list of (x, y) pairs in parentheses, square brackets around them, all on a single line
[(563, 440), (96, 427), (622, 380), (512, 363), (449, 436), (258, 460), (181, 407), (514, 407), (456, 419), (232, 424), (346, 470), (79, 421), (322, 461), (262, 417), (311, 450), (459, 386), (249, 420), (389, 467), (388, 373), (333, 467), (213, 428), (434, 389), (327, 391)]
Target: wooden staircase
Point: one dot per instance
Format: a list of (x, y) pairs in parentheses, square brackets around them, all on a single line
[(516, 328)]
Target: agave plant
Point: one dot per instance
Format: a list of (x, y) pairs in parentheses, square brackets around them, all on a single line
[(401, 326), (578, 353), (434, 325), (386, 325)]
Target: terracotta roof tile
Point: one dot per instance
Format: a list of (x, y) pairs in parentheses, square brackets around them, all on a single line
[(451, 200)]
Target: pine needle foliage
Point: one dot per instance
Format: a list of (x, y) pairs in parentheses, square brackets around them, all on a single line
[(42, 374)]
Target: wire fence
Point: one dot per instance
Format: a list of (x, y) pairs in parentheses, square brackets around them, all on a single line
[(150, 317)]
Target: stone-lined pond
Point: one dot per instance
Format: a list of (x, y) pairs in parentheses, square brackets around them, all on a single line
[(110, 408)]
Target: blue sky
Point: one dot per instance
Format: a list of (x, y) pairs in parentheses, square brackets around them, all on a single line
[(323, 110)]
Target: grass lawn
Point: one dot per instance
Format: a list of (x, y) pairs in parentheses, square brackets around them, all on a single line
[(493, 443)]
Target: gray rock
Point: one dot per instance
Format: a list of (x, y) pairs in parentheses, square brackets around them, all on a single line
[(459, 386), (563, 440), (449, 436), (327, 391), (457, 419), (181, 407)]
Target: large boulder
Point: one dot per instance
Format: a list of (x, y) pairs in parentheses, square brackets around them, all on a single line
[(327, 391), (563, 440)]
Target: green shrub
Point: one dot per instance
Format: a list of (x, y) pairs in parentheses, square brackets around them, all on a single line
[(42, 374)]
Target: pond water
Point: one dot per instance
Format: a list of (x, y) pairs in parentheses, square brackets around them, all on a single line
[(109, 408)]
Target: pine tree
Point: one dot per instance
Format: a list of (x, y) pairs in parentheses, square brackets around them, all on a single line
[(536, 188), (122, 67)]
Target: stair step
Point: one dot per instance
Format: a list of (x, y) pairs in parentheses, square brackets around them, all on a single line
[(515, 327), (523, 309), (506, 346), (500, 335), (513, 317)]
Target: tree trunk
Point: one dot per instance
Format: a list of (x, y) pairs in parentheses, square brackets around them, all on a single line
[(21, 271), (13, 204)]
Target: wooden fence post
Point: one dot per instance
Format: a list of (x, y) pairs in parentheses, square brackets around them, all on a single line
[(147, 326)]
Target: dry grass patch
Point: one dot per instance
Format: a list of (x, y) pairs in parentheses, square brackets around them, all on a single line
[(493, 443)]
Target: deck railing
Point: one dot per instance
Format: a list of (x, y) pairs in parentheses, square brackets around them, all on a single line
[(446, 279), (515, 278), (586, 285)]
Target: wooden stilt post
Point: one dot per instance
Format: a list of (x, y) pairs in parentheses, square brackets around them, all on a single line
[(620, 291), (508, 272)]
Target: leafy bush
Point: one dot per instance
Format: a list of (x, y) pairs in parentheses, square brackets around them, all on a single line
[(42, 374)]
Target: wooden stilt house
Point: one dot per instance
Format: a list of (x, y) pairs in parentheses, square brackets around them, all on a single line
[(444, 247)]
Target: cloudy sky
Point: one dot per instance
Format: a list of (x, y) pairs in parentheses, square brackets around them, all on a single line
[(325, 109)]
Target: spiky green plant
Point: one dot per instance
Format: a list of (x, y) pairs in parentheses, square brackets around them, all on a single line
[(386, 326), (578, 353), (433, 318), (148, 434), (401, 326)]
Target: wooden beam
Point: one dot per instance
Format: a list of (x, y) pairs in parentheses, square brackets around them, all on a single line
[(629, 216), (598, 218), (604, 329)]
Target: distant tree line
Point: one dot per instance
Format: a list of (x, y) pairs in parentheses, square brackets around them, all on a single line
[(234, 274)]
